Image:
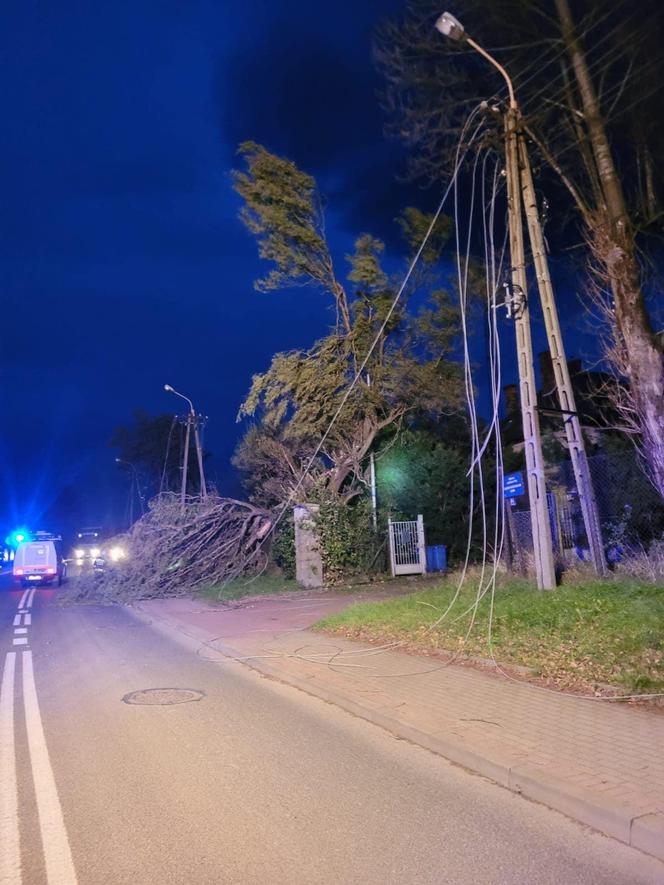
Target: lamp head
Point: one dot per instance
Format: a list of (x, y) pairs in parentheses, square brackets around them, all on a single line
[(450, 27), (168, 388)]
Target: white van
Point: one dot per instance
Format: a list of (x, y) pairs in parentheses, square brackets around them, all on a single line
[(39, 562)]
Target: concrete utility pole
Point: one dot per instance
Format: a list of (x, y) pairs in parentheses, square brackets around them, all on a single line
[(539, 511), (520, 188), (566, 397), (192, 423), (185, 464), (199, 456), (134, 482)]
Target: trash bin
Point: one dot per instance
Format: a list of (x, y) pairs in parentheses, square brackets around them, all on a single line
[(437, 558)]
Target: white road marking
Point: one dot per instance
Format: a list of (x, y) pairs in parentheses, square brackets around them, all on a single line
[(18, 630), (22, 640), (31, 596), (23, 597), (57, 853), (17, 620), (27, 619), (10, 847)]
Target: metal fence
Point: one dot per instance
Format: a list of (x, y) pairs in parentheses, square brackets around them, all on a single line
[(630, 510)]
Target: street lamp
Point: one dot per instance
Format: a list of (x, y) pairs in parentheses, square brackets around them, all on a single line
[(520, 194), (451, 27), (192, 422), (169, 389)]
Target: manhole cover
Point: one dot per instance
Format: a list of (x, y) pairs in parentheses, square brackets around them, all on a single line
[(163, 697)]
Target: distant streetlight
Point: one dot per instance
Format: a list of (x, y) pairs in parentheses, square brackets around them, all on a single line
[(192, 422)]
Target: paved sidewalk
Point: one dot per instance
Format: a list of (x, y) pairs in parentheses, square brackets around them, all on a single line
[(599, 762)]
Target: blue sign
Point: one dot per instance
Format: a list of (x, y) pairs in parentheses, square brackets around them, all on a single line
[(513, 485)]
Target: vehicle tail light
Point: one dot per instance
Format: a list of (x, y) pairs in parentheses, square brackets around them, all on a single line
[(19, 571), (50, 571)]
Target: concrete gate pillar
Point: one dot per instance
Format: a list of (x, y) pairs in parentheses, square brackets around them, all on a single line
[(308, 561)]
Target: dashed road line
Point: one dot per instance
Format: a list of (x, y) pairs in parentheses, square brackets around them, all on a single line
[(10, 846), (57, 853), (55, 842)]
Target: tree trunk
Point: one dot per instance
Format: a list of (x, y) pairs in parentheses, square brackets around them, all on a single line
[(613, 243)]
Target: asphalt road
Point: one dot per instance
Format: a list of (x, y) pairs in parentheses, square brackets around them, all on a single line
[(253, 783)]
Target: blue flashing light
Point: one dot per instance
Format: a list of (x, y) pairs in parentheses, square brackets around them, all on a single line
[(17, 537)]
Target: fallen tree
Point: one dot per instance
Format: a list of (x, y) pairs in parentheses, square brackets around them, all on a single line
[(173, 549)]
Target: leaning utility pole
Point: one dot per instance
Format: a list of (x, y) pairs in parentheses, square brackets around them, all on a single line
[(563, 381), (539, 510), (199, 456), (185, 464)]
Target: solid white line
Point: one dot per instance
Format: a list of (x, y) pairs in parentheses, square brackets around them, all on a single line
[(22, 640), (18, 630), (57, 853), (17, 620), (25, 593), (28, 603), (10, 846)]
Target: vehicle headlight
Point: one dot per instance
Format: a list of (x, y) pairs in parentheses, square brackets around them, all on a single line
[(79, 562), (117, 553), (79, 554), (94, 552)]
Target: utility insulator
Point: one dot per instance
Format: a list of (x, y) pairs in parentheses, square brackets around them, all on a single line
[(515, 300)]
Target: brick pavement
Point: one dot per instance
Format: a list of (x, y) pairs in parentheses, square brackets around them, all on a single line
[(597, 761)]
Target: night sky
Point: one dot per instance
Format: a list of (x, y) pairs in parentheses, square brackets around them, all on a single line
[(123, 265)]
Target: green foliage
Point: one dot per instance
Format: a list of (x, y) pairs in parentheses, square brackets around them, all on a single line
[(348, 543), (582, 634), (282, 208), (410, 370), (283, 546), (414, 226), (426, 473)]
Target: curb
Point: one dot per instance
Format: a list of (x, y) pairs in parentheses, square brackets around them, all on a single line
[(644, 832)]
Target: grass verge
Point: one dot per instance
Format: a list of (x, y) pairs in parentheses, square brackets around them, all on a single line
[(583, 634), (264, 585)]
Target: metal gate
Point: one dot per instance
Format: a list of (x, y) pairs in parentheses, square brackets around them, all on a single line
[(407, 549)]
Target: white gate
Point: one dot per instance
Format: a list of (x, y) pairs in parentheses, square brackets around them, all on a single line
[(407, 550)]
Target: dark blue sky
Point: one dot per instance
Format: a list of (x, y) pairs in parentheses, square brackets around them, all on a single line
[(122, 263)]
